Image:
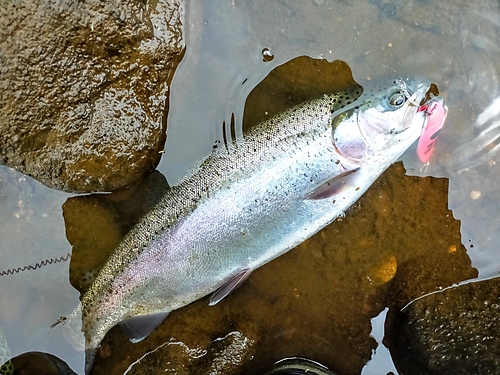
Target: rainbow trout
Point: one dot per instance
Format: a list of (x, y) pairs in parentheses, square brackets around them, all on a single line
[(250, 202)]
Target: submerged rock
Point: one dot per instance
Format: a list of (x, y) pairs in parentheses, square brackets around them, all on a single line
[(224, 355), (453, 332), (84, 89), (96, 223), (40, 364)]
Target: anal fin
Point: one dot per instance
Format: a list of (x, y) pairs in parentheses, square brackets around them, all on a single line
[(333, 186), (229, 286), (139, 327)]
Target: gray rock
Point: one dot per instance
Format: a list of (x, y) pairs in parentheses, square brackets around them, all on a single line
[(453, 332), (84, 88)]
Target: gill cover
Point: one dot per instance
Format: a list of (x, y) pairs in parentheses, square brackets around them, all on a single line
[(378, 119)]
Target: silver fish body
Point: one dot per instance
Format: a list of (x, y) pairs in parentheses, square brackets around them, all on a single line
[(249, 203)]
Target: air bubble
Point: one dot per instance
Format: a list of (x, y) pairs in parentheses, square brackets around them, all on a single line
[(267, 55)]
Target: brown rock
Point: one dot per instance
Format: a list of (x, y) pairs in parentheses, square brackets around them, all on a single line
[(224, 355), (84, 89), (452, 332)]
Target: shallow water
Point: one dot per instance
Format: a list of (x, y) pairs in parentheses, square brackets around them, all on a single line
[(454, 44)]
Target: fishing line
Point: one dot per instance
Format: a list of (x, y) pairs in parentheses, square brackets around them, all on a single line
[(30, 267)]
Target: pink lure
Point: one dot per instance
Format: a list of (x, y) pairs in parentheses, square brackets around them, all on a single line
[(436, 114)]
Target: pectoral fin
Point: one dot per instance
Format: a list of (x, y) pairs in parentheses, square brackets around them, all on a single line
[(333, 186), (139, 327), (229, 286)]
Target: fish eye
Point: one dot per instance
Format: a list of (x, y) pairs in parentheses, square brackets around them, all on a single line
[(397, 99)]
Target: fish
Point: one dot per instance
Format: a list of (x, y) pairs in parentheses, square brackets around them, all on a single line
[(251, 201)]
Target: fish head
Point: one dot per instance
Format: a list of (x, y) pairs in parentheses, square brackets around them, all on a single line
[(382, 123)]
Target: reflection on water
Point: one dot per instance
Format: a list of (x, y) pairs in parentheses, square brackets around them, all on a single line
[(381, 361), (316, 301), (32, 232), (483, 149)]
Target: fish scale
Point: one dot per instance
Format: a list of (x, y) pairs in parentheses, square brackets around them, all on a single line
[(250, 202)]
